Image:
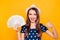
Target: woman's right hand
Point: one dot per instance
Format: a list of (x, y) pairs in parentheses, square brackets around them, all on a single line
[(16, 28), (18, 33)]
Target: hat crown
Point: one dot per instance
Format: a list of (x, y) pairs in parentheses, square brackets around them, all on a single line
[(32, 7)]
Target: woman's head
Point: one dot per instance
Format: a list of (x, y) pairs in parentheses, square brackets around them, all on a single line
[(33, 16)]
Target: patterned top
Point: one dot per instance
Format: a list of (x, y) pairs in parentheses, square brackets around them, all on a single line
[(32, 34)]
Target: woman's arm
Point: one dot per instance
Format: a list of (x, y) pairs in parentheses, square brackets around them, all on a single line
[(53, 33), (20, 35)]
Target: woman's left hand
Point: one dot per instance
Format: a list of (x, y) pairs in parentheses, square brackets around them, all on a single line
[(49, 24), (53, 33)]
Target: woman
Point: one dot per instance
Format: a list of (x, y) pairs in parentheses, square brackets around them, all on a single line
[(33, 30)]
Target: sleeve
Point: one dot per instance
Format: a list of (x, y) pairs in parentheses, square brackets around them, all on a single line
[(43, 28), (23, 28)]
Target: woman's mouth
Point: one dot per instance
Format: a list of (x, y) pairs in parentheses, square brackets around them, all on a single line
[(32, 18)]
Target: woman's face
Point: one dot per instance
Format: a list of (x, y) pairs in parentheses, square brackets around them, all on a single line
[(32, 15)]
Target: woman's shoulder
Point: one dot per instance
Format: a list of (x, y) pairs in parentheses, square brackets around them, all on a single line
[(24, 26), (43, 27), (41, 24)]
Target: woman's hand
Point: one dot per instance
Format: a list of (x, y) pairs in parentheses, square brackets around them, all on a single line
[(18, 33), (49, 24), (53, 33), (16, 28)]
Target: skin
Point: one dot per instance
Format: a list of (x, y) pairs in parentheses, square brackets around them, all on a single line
[(33, 17)]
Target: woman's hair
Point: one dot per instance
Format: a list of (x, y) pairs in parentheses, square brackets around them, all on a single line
[(28, 23)]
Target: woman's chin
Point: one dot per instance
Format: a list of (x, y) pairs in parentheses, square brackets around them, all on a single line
[(32, 21)]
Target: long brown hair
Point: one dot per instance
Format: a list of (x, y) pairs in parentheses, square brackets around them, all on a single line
[(37, 22)]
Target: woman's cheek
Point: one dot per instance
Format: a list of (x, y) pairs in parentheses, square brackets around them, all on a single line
[(29, 16), (35, 17)]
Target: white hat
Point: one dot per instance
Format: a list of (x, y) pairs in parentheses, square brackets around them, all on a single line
[(32, 7)]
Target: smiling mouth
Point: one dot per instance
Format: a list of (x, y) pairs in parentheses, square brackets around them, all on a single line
[(32, 18)]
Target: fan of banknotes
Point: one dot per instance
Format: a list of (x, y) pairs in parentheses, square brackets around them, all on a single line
[(15, 19)]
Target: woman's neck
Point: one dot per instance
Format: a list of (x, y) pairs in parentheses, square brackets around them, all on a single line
[(33, 25)]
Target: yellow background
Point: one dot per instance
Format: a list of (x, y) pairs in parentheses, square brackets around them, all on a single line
[(50, 10)]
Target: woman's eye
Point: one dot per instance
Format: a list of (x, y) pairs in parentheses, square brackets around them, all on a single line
[(30, 14), (34, 14)]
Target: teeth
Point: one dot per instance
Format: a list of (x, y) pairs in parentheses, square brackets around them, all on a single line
[(32, 18)]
